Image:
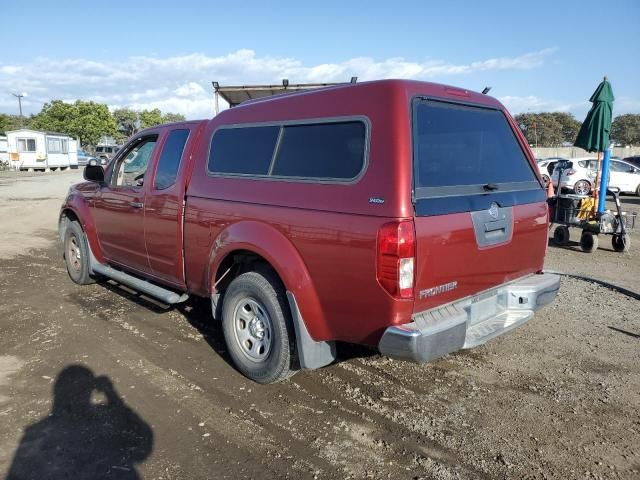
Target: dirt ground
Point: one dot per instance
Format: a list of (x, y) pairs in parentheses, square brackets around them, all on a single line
[(100, 381)]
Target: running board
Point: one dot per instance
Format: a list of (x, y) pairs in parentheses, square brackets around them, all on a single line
[(167, 296)]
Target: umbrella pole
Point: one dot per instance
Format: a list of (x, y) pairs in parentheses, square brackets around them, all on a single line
[(604, 181), (596, 184)]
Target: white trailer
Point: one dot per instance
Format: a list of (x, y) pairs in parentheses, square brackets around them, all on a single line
[(4, 151), (36, 150)]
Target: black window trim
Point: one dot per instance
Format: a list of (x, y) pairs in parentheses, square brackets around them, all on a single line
[(284, 123), (184, 149), (461, 190)]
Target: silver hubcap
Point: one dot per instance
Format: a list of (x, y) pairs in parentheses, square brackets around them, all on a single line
[(581, 188), (73, 254), (252, 329)]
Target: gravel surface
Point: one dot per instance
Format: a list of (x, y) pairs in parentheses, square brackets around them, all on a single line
[(102, 382)]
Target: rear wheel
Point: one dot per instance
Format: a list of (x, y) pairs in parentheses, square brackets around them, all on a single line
[(76, 254), (589, 242), (638, 190), (582, 187), (257, 327), (621, 243), (561, 235)]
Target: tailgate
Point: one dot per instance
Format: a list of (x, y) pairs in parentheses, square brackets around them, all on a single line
[(480, 211)]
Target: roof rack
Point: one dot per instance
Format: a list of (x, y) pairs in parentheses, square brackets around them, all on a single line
[(235, 95)]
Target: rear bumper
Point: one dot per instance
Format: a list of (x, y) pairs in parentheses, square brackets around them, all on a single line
[(471, 321)]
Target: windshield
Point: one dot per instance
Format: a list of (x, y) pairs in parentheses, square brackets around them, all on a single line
[(465, 146)]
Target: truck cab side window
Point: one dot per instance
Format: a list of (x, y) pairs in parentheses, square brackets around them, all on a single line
[(132, 166), (169, 162)]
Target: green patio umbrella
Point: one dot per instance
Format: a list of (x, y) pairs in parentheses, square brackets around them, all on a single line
[(594, 133)]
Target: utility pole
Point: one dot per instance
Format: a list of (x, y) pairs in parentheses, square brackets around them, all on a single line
[(20, 96)]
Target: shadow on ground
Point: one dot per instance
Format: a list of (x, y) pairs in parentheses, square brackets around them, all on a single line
[(90, 433)]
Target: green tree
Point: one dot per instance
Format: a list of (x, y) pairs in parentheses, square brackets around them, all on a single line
[(150, 118), (570, 126), (545, 129), (626, 129), (87, 121), (127, 121), (10, 122), (56, 116), (94, 120), (170, 117)]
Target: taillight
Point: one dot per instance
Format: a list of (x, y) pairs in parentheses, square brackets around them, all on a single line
[(570, 172), (396, 258)]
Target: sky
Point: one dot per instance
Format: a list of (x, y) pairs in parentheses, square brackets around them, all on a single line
[(536, 56)]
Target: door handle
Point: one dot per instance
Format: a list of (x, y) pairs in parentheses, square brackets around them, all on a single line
[(136, 204)]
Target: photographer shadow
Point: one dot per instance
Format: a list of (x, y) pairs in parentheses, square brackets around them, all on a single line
[(82, 438)]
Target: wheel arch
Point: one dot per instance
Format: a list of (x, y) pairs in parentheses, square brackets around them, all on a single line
[(245, 243), (76, 208)]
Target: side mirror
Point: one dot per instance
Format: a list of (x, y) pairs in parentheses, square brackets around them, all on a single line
[(94, 173)]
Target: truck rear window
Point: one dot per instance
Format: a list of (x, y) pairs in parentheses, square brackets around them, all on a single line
[(461, 149)]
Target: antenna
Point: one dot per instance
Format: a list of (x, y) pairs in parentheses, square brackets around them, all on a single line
[(486, 90)]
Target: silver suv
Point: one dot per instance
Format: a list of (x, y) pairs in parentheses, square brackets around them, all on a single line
[(106, 151)]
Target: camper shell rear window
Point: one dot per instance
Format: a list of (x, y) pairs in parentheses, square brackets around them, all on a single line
[(332, 150), (466, 150)]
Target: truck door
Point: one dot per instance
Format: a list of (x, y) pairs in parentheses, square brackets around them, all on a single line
[(164, 206), (119, 206)]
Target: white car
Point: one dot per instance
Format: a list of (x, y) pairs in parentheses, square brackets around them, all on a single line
[(546, 166), (581, 177)]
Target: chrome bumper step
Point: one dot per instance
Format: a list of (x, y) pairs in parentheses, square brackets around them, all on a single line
[(471, 321)]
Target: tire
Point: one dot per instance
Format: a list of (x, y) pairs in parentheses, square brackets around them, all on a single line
[(638, 191), (257, 327), (621, 243), (561, 235), (582, 187), (589, 242), (76, 254)]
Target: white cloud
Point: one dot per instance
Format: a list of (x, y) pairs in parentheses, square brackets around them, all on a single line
[(183, 83), (532, 103)]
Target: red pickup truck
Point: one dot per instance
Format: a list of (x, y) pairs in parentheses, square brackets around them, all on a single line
[(403, 215)]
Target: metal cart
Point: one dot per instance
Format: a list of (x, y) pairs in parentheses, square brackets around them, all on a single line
[(567, 213)]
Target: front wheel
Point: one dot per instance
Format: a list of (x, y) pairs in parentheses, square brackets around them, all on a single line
[(76, 254), (638, 190), (257, 327)]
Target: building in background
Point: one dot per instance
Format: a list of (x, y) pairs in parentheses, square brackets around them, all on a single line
[(36, 150)]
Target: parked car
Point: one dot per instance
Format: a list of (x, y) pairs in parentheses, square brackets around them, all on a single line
[(581, 176), (625, 177), (84, 158), (106, 151), (546, 166), (578, 176), (402, 215), (634, 160)]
